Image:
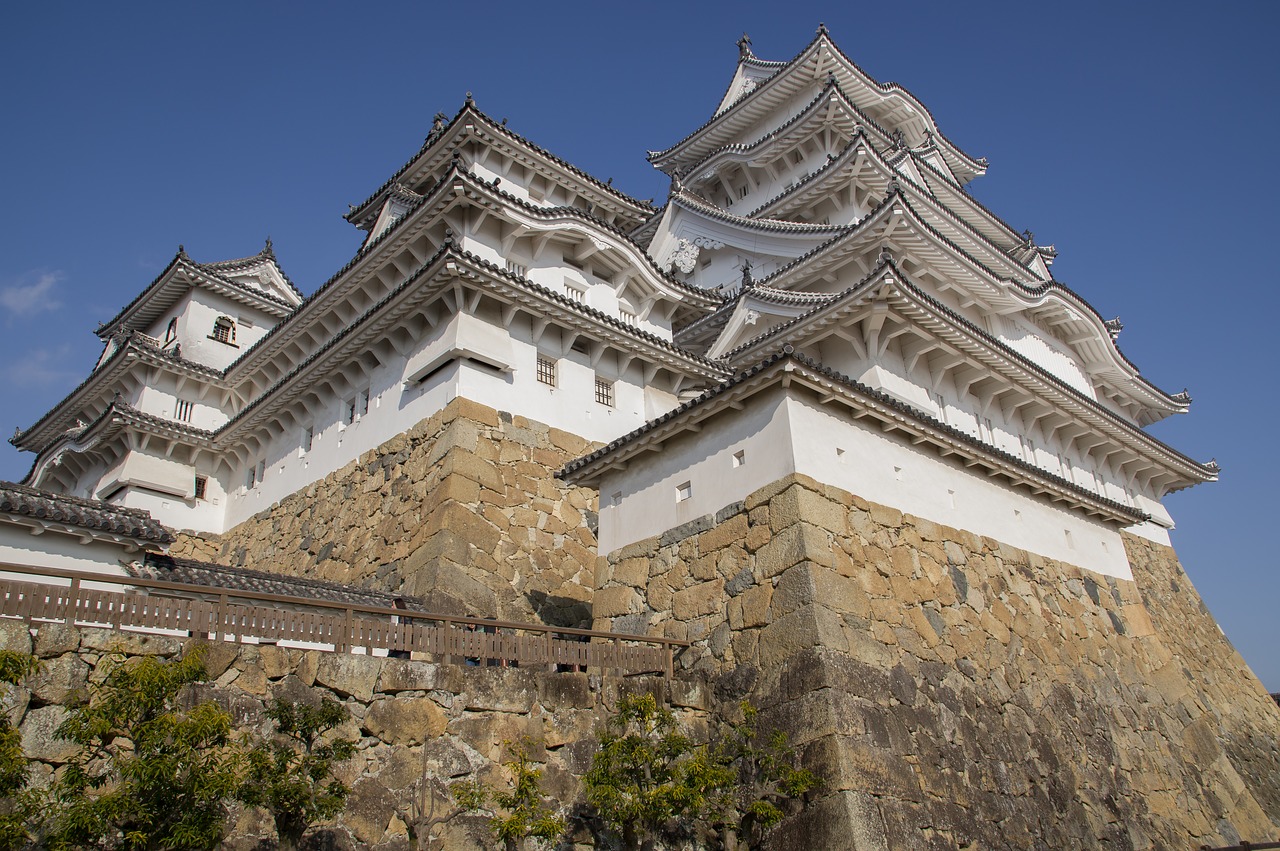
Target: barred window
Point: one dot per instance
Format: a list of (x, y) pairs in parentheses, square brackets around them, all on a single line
[(308, 437), (517, 268), (224, 330), (183, 411), (546, 371), (604, 391), (202, 484)]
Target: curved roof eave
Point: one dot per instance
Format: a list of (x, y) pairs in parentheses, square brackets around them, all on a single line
[(455, 128), (886, 90)]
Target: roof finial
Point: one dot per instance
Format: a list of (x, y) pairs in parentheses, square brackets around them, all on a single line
[(437, 123), (894, 185), (744, 47), (448, 236), (747, 282), (470, 100), (268, 248), (886, 256), (831, 78), (822, 29), (504, 121), (182, 249), (899, 138)]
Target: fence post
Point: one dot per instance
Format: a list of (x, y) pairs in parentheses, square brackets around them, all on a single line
[(551, 646), (347, 628), (617, 655), (73, 596), (671, 661), (222, 618)]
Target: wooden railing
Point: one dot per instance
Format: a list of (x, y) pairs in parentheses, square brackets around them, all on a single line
[(229, 615)]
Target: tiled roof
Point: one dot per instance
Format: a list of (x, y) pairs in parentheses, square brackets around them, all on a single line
[(169, 569), (91, 514), (470, 107)]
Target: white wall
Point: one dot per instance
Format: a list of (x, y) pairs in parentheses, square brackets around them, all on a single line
[(782, 435)]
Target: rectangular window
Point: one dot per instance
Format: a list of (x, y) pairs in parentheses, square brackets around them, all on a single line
[(517, 269), (308, 437), (349, 412), (202, 484), (262, 471), (684, 491), (574, 292), (628, 317), (546, 371), (183, 411), (739, 457), (604, 392), (251, 478), (942, 406), (363, 402)]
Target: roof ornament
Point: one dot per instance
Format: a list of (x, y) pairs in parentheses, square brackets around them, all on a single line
[(747, 281), (899, 139), (1184, 397), (831, 78), (448, 237), (1213, 464), (822, 29), (17, 433), (677, 185), (471, 101), (504, 121), (182, 250), (894, 186), (437, 123), (1114, 327), (268, 249), (886, 256), (744, 47), (1028, 238)]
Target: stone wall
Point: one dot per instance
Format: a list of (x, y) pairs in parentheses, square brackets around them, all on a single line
[(463, 510), (956, 692), (453, 720)]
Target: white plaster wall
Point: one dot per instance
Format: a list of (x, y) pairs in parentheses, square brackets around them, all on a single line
[(196, 325), (60, 551), (785, 435)]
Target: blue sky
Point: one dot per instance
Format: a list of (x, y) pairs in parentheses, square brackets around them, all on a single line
[(1135, 137)]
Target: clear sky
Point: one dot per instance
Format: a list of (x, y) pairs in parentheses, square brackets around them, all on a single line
[(1136, 137)]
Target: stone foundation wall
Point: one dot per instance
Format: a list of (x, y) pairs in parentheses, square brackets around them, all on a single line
[(463, 510), (457, 718), (956, 692)]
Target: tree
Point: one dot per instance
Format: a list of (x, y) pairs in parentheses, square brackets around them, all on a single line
[(519, 812), (647, 774), (149, 774), (292, 774), (767, 780), (17, 805)]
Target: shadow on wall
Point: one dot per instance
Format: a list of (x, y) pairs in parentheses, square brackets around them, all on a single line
[(560, 611)]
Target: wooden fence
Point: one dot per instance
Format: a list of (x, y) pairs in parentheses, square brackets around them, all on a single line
[(219, 614)]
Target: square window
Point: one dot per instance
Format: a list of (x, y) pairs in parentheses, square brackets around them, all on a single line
[(604, 392), (546, 371), (684, 491), (739, 457)]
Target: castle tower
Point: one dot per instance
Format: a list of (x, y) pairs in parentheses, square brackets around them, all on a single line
[(921, 524)]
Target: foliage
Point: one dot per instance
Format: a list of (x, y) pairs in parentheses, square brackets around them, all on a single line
[(647, 774), (149, 775), (292, 775), (18, 806), (767, 779), (526, 813)]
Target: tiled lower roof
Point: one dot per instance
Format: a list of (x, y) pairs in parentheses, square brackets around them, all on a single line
[(90, 514), (169, 569)]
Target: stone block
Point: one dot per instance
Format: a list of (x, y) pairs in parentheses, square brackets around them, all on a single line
[(796, 543), (39, 735), (701, 599), (15, 636), (59, 680), (614, 601), (131, 643), (54, 639), (349, 674), (404, 721), (799, 503)]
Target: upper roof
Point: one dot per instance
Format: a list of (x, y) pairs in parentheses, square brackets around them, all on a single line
[(92, 515), (891, 104), (226, 277), (437, 150)]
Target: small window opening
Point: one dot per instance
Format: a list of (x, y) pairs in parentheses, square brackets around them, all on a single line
[(202, 485), (262, 471), (604, 392), (308, 437), (546, 371), (171, 332), (684, 491), (224, 330), (182, 411), (739, 457), (517, 269)]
